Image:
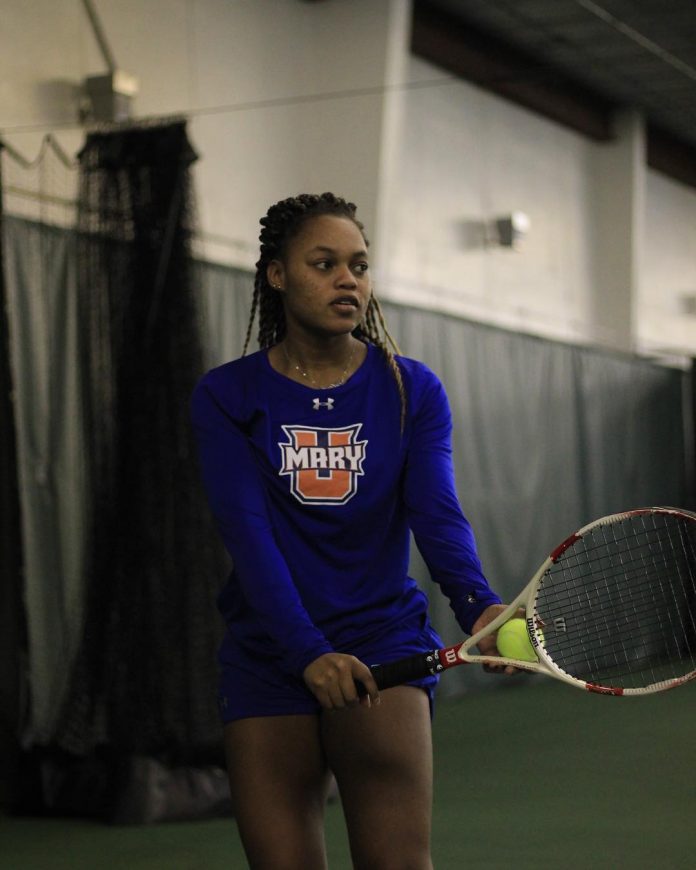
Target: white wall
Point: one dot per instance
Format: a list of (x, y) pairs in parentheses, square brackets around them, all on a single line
[(465, 158), (612, 245), (284, 96), (666, 300)]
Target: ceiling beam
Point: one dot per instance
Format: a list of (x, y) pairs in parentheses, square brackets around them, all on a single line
[(460, 47), (671, 156)]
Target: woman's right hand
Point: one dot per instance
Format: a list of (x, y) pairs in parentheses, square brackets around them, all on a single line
[(331, 679)]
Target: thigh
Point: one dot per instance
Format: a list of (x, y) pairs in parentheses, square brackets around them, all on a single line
[(382, 759), (278, 781)]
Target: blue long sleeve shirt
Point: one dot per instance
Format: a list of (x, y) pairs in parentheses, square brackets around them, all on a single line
[(315, 491)]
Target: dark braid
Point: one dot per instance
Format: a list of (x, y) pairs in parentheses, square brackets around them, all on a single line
[(282, 223)]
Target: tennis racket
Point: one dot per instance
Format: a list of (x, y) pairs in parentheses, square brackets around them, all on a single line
[(612, 610)]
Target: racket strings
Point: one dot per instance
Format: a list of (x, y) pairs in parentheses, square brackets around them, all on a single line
[(656, 623), (618, 607)]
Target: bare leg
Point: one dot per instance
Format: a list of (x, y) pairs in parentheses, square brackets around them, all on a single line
[(382, 760), (278, 781)]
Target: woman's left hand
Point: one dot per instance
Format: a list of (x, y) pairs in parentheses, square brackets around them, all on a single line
[(487, 645)]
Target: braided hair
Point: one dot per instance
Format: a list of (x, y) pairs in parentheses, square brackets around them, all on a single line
[(281, 224)]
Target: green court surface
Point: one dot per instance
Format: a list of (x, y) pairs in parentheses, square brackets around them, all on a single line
[(536, 774)]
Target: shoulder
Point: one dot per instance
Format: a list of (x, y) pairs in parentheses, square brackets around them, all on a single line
[(229, 386), (233, 373), (417, 372), (421, 382), (427, 400)]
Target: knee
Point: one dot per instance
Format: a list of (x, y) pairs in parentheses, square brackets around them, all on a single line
[(395, 855), (290, 847)]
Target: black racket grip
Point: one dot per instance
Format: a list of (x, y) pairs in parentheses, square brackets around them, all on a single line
[(404, 670)]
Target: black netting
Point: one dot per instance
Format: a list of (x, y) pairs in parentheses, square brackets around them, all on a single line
[(144, 680)]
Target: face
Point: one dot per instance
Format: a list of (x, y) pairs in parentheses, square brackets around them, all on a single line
[(324, 277)]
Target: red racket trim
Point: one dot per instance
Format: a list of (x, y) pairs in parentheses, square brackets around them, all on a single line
[(603, 690), (560, 550), (449, 656)]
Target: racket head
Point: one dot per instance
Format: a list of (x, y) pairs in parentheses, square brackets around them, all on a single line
[(613, 608)]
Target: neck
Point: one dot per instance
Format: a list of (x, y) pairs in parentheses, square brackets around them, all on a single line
[(320, 353), (321, 364)]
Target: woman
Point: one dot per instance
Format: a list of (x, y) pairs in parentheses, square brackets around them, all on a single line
[(320, 453)]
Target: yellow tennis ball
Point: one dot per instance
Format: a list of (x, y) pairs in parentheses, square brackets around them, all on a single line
[(513, 641)]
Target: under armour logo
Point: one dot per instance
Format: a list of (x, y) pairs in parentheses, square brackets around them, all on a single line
[(328, 404)]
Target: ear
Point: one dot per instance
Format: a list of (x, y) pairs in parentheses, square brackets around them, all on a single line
[(276, 275)]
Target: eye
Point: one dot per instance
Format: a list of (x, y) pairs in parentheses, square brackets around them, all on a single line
[(360, 268), (323, 265)]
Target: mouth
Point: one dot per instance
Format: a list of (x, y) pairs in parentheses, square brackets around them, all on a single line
[(346, 304)]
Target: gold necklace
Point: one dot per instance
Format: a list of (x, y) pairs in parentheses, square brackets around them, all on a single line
[(306, 375)]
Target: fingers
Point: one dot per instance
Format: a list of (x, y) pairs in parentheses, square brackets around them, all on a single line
[(494, 668), (331, 678), (364, 676), (487, 647), (501, 668), (488, 615)]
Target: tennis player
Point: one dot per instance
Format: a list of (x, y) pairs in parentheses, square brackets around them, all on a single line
[(320, 453)]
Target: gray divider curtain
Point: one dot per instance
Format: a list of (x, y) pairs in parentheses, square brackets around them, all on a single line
[(40, 272), (13, 642)]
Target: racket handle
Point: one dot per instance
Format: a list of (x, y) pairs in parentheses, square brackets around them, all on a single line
[(404, 670)]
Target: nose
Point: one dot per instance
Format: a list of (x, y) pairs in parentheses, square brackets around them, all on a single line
[(346, 278)]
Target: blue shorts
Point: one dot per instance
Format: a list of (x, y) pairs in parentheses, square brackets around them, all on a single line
[(253, 684)]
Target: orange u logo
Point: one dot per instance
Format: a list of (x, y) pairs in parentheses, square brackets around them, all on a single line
[(323, 464)]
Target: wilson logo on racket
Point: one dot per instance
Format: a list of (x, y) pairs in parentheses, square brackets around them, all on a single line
[(323, 464)]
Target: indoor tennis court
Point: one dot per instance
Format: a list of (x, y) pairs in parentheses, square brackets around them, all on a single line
[(589, 781), (525, 179)]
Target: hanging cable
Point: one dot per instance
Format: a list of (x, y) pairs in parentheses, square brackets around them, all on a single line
[(49, 142)]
